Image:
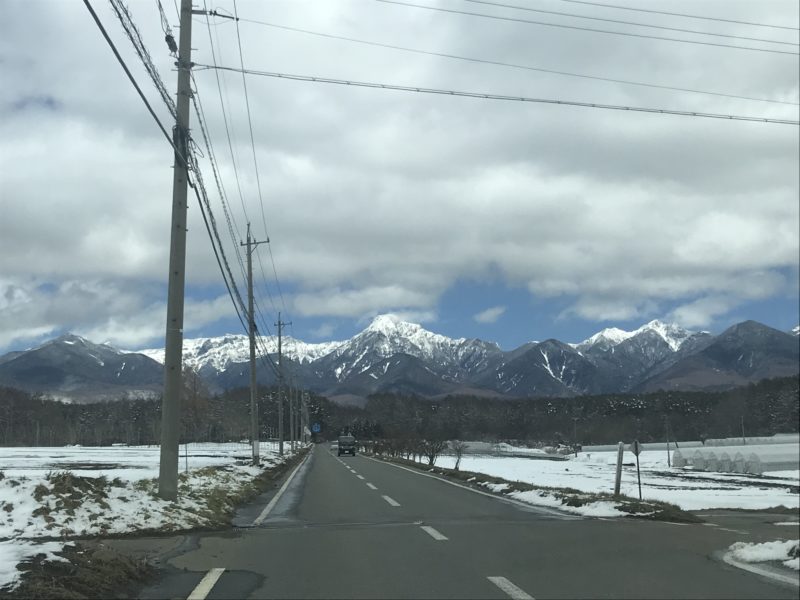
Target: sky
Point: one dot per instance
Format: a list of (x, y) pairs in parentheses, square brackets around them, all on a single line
[(506, 221)]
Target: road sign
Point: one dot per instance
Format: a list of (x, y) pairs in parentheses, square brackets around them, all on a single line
[(316, 428), (637, 448)]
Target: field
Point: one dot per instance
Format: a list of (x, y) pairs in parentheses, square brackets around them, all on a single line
[(691, 490)]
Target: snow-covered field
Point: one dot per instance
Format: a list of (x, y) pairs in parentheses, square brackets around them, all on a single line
[(45, 493), (595, 471)]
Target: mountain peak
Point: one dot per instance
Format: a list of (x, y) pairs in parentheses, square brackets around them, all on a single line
[(672, 334), (390, 324)]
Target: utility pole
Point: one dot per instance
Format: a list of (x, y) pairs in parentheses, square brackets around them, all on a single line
[(293, 414), (254, 437), (173, 346), (280, 325)]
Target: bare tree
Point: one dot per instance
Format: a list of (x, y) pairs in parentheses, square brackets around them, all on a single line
[(458, 447), (431, 449)]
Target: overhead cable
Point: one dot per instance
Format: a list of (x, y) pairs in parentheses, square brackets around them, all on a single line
[(141, 50), (604, 31), (674, 14), (135, 84), (255, 160), (648, 25), (488, 96), (512, 65)]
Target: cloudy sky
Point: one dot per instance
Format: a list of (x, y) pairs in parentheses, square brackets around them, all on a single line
[(507, 221)]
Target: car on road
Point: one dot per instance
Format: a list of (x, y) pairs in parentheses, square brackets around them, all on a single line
[(347, 445)]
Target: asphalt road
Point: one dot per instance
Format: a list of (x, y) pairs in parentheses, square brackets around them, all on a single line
[(353, 527)]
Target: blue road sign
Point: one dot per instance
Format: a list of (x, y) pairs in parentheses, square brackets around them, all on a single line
[(316, 428)]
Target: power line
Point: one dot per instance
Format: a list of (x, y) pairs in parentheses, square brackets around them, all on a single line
[(225, 119), (562, 26), (255, 160), (511, 65), (138, 45), (133, 81), (662, 27), (191, 165), (488, 96), (674, 14), (250, 122)]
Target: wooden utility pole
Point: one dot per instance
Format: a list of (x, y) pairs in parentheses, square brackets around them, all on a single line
[(173, 346), (254, 437)]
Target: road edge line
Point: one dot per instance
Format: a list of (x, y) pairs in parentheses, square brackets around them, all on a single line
[(260, 518), (206, 584), (544, 509), (727, 558)]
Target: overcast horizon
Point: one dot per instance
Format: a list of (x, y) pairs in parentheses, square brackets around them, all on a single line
[(505, 221)]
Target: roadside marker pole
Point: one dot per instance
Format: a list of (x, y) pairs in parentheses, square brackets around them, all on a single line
[(618, 480)]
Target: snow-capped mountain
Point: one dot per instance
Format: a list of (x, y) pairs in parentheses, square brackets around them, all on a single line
[(673, 335), (392, 355), (387, 336), (216, 354), (796, 330)]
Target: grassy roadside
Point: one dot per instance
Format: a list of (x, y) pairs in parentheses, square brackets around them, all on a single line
[(91, 568), (568, 497)]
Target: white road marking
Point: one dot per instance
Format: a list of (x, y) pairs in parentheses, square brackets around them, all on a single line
[(510, 589), (205, 585), (524, 505), (372, 487), (433, 533), (391, 501), (735, 531), (360, 476), (260, 518)]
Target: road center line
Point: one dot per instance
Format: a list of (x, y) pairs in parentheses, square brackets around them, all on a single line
[(205, 585), (510, 589), (391, 501), (360, 476), (433, 533), (372, 487)]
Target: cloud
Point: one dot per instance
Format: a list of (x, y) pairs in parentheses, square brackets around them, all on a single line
[(702, 312), (490, 315), (381, 201), (324, 331)]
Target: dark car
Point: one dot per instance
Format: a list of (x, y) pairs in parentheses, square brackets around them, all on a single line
[(347, 445)]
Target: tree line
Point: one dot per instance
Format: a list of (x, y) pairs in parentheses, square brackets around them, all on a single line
[(765, 408)]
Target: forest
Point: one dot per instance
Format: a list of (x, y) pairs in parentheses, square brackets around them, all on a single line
[(768, 407)]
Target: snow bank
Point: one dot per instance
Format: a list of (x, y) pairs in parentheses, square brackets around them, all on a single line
[(784, 551)]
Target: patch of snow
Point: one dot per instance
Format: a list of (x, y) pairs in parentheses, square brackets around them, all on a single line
[(767, 551), (595, 472), (13, 552)]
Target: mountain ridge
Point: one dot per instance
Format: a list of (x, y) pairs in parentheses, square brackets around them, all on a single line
[(393, 355)]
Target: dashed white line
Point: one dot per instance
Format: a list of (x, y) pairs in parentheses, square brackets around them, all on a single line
[(510, 589), (433, 533), (372, 487), (360, 476), (391, 501), (205, 585)]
